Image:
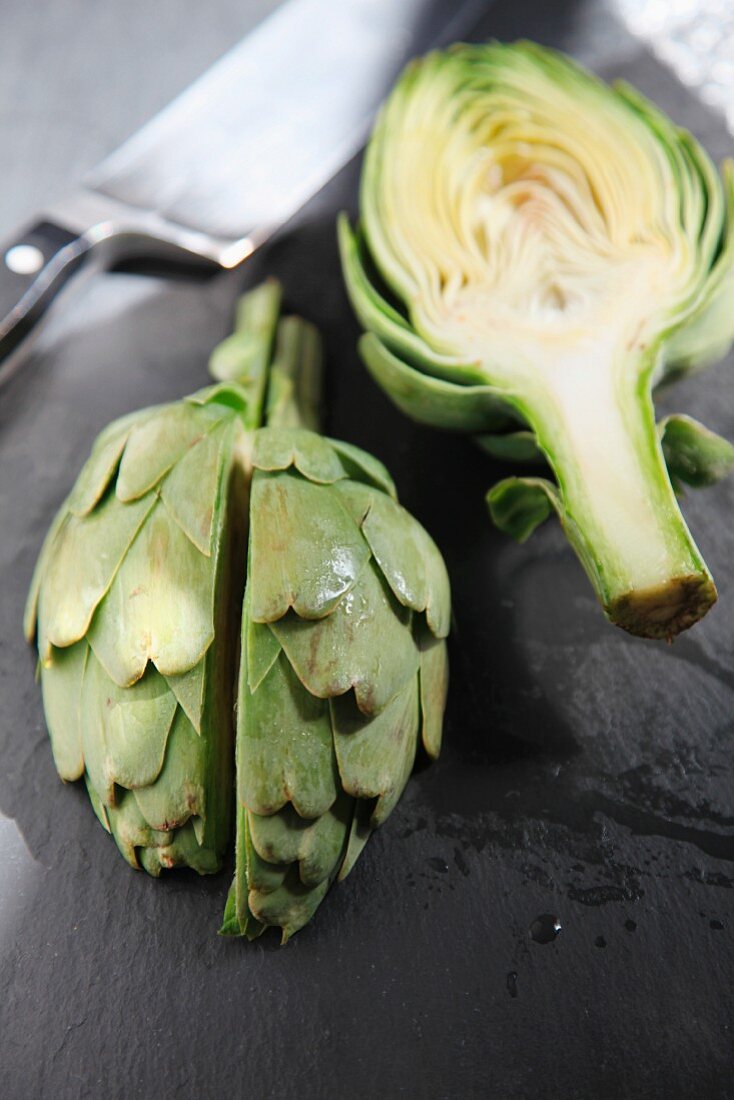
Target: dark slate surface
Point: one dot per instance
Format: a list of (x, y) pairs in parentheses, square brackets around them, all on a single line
[(586, 776)]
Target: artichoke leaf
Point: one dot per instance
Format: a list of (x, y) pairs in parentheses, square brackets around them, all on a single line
[(190, 491), (279, 448), (82, 564), (178, 792), (156, 445), (520, 504), (61, 680), (376, 755), (285, 747), (365, 644), (306, 552), (361, 466), (159, 607), (694, 455), (434, 686), (102, 464), (123, 733)]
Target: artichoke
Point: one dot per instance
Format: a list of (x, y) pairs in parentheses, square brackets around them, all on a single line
[(536, 252), (137, 607), (343, 671)]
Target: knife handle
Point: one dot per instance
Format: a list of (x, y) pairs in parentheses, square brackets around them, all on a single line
[(34, 266)]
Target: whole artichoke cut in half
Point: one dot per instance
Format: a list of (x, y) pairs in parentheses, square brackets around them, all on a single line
[(137, 604), (536, 252)]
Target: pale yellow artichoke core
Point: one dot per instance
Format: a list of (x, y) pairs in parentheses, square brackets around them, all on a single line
[(524, 220)]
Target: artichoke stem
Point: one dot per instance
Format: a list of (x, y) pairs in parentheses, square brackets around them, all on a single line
[(295, 378), (596, 424)]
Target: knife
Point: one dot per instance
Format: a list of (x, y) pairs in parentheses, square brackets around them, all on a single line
[(211, 177)]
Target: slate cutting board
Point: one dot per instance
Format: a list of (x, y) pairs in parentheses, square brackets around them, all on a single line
[(586, 777)]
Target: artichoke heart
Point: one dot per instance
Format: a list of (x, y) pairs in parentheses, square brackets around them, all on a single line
[(195, 537), (536, 251)]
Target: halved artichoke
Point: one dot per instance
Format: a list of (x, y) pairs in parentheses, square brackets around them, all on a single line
[(536, 252), (137, 601), (343, 671)]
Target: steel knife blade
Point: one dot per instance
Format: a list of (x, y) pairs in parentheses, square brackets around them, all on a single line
[(235, 155)]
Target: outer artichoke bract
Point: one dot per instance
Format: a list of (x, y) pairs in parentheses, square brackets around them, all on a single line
[(343, 671), (133, 596), (539, 249), (136, 604)]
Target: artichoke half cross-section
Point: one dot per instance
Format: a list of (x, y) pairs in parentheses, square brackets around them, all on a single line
[(137, 608), (536, 251)]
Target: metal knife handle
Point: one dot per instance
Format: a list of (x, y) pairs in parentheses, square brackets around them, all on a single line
[(33, 268)]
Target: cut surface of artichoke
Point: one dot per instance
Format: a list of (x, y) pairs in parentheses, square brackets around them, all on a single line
[(538, 245)]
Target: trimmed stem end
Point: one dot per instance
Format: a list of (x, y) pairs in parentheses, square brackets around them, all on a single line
[(665, 610)]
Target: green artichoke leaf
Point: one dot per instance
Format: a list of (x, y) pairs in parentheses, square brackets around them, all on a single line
[(263, 650), (102, 464), (82, 563), (376, 755), (123, 733), (159, 607), (434, 686), (62, 685), (129, 829), (316, 845), (279, 448), (191, 489), (286, 752), (694, 455), (306, 551), (365, 644), (289, 907), (536, 252), (360, 831), (408, 557), (520, 446), (434, 401), (520, 504), (360, 466), (178, 791), (285, 746), (159, 442), (183, 850), (188, 690), (30, 613)]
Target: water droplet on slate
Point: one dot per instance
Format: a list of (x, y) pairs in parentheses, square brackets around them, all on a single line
[(600, 941), (512, 983), (716, 925), (438, 864), (545, 928), (630, 925)]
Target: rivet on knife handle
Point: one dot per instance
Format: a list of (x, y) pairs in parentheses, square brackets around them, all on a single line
[(34, 267)]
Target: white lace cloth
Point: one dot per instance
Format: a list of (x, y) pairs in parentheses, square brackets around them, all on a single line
[(695, 38)]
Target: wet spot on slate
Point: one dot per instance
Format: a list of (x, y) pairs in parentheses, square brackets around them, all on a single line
[(630, 925), (600, 941), (716, 925), (438, 864), (545, 928)]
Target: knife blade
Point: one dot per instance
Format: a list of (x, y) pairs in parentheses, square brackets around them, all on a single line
[(215, 173)]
